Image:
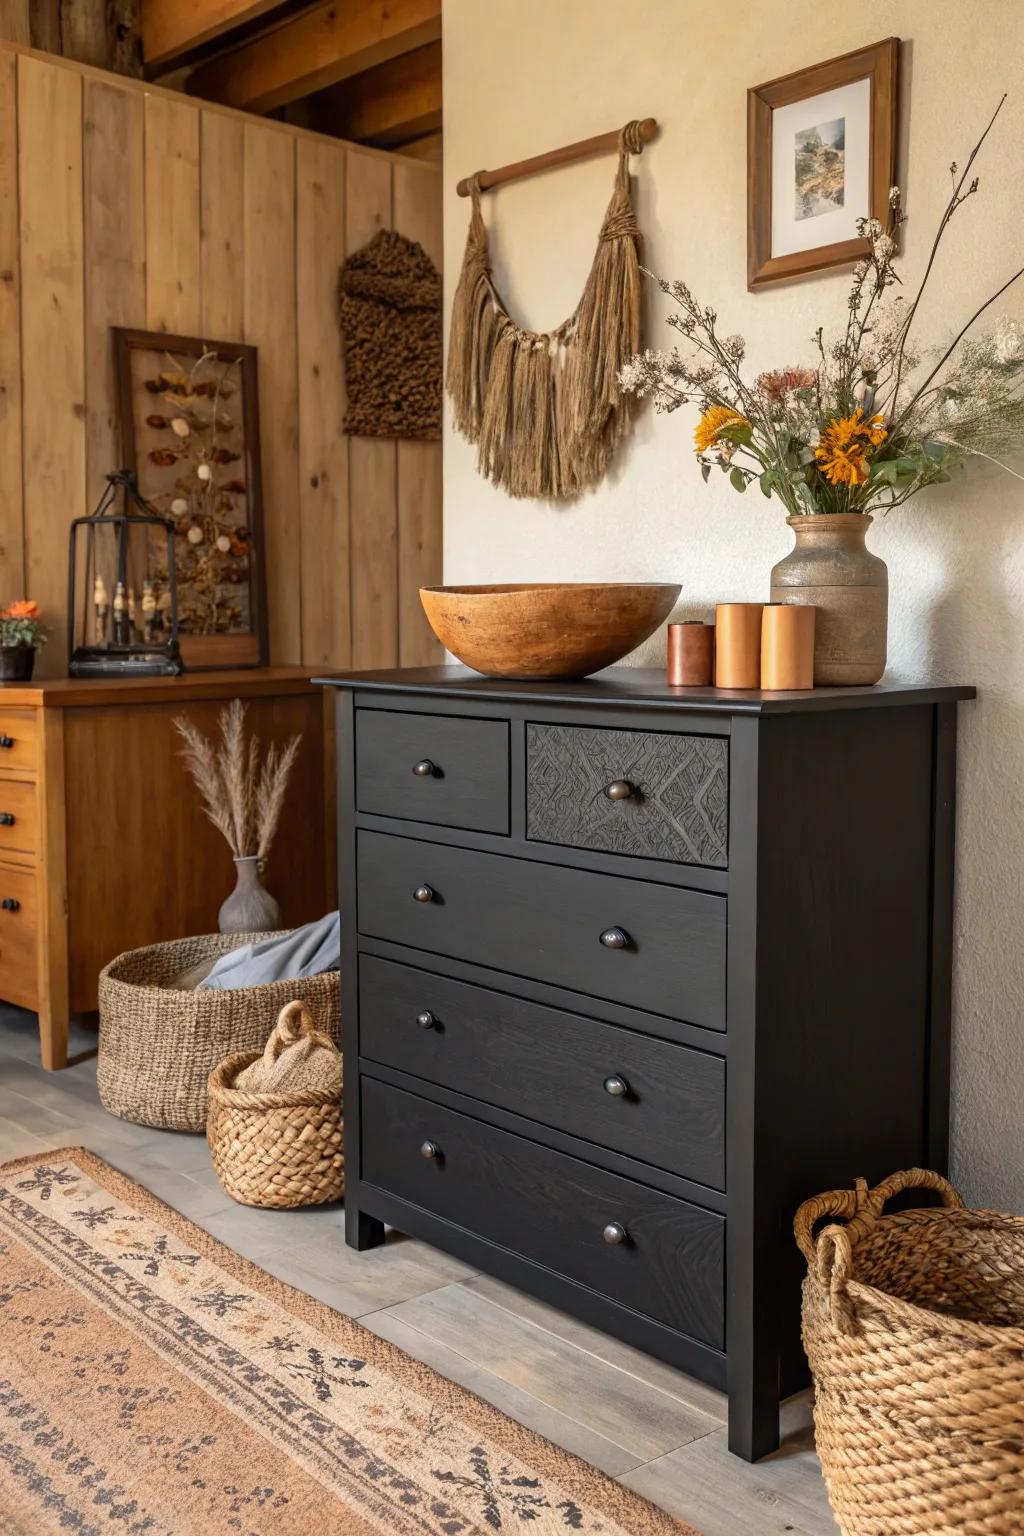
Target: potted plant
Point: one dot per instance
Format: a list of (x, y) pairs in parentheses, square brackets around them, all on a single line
[(870, 421), (21, 635)]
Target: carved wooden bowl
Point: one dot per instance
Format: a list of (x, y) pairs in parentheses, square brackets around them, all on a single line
[(546, 629)]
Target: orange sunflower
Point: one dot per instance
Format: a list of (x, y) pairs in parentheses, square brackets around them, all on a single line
[(843, 452), (23, 608), (708, 429)]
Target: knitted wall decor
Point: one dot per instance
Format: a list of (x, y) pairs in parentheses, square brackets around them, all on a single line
[(544, 408), (391, 328)]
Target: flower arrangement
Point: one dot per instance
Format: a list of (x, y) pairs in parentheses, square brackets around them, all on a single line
[(20, 624), (242, 796), (875, 418)]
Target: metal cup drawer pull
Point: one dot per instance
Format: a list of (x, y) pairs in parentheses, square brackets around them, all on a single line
[(616, 1086), (10, 904), (423, 893), (615, 1233), (426, 1019), (616, 938), (620, 789), (431, 1151), (6, 818), (425, 769)]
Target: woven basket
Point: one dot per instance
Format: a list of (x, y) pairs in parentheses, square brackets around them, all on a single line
[(914, 1328), (275, 1149), (158, 1045)]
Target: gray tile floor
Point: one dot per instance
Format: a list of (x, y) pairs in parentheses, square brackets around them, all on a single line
[(655, 1429)]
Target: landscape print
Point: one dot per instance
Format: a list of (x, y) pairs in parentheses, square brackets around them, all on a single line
[(820, 168)]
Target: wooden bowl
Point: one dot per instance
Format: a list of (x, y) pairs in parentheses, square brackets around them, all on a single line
[(546, 629)]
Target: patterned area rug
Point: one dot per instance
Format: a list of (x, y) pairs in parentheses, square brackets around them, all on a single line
[(153, 1383)]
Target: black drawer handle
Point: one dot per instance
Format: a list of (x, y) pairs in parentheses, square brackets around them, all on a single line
[(426, 1019), (424, 769), (9, 904), (615, 938), (615, 1233), (620, 789), (6, 818), (431, 1151), (423, 893), (6, 741), (616, 1086)]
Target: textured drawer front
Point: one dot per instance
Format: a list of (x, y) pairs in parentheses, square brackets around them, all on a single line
[(467, 782), (679, 808), (18, 927), (550, 1208), (550, 1065), (545, 922), (17, 738), (18, 817)]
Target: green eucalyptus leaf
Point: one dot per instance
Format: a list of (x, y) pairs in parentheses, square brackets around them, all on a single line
[(738, 480), (705, 470), (766, 481)]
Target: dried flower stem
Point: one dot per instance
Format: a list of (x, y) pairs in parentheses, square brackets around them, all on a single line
[(242, 798)]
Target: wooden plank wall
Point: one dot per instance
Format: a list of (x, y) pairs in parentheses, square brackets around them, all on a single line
[(123, 204)]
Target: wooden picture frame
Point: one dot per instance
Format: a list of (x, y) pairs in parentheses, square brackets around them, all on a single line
[(236, 484), (867, 158)]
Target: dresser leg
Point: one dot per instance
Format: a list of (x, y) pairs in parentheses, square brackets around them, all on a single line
[(53, 1038), (754, 1422), (362, 1231)]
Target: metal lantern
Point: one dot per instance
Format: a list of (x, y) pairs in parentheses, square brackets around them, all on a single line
[(122, 596)]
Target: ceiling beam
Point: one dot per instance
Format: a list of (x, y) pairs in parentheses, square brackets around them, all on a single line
[(174, 29), (387, 105), (316, 49)]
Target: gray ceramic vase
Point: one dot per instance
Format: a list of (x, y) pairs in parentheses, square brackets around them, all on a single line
[(250, 908), (831, 568)]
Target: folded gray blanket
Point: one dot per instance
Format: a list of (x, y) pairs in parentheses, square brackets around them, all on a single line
[(305, 951)]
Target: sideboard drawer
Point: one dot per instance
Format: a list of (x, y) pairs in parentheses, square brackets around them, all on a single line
[(17, 738), (550, 1208), (436, 768), (18, 817), (549, 923), (18, 936), (644, 1097), (670, 792)]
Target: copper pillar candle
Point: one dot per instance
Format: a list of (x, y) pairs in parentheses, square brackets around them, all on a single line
[(738, 645), (691, 654), (787, 646)]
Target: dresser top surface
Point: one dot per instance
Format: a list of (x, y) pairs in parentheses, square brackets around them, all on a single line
[(645, 687)]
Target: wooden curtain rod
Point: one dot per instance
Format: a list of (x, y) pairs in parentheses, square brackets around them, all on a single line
[(601, 143)]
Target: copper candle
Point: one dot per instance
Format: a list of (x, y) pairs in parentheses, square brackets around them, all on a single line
[(691, 654), (787, 646), (738, 645)]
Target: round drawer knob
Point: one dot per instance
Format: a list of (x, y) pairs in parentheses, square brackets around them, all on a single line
[(615, 1233), (616, 1086), (424, 769), (431, 1151), (9, 904), (6, 741), (620, 789), (6, 819), (615, 938), (426, 1019), (423, 893)]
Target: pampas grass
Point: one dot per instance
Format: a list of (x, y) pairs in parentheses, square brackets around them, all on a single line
[(242, 796)]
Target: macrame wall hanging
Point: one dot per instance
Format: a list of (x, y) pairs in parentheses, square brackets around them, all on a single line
[(391, 327), (544, 407)]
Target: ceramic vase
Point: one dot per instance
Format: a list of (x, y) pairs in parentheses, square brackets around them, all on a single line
[(250, 908), (832, 568), (16, 663)]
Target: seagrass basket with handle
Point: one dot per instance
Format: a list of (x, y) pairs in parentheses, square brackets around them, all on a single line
[(913, 1323), (280, 1149)]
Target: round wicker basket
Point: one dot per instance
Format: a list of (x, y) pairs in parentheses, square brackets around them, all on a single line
[(281, 1149), (158, 1044), (914, 1328)]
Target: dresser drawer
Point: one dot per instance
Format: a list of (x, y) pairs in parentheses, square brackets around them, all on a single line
[(18, 932), (17, 738), (436, 768), (550, 1208), (18, 817), (674, 792), (545, 922), (551, 1066)]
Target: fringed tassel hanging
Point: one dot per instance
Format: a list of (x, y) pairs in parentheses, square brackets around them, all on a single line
[(544, 408)]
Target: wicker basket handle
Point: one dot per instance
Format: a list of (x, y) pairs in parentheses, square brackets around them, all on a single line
[(294, 1021), (914, 1178)]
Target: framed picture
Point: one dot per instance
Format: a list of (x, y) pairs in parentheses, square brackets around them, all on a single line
[(191, 433), (821, 154)]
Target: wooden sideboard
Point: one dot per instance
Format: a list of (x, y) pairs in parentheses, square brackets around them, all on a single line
[(628, 972), (104, 845)]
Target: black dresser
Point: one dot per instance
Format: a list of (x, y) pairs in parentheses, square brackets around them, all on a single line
[(628, 972)]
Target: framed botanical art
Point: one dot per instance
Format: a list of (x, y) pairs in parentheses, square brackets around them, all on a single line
[(821, 154), (191, 433)]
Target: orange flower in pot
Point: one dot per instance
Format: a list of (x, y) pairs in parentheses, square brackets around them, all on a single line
[(21, 635)]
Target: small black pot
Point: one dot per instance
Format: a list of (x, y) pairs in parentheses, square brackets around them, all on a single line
[(16, 663)]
